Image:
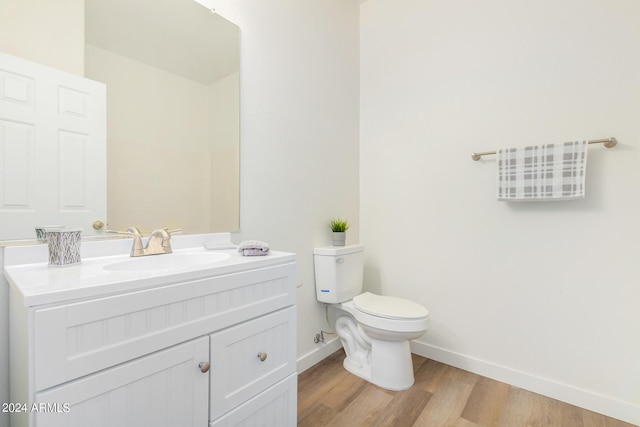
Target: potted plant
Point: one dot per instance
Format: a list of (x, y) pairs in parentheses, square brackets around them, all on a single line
[(339, 228)]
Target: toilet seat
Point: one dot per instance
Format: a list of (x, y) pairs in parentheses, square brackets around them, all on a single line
[(395, 325), (389, 307)]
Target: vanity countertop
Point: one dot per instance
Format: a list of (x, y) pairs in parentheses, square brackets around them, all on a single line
[(38, 283)]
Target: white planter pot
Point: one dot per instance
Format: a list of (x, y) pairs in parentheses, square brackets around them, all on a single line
[(338, 238)]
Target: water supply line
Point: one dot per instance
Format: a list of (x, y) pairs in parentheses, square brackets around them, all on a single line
[(320, 337)]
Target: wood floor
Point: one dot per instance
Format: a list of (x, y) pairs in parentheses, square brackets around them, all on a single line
[(442, 396)]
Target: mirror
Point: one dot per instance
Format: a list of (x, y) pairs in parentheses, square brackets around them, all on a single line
[(172, 73)]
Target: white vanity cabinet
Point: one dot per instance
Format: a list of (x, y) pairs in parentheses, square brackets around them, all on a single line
[(209, 348)]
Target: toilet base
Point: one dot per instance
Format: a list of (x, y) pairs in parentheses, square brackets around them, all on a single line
[(390, 365), (378, 353)]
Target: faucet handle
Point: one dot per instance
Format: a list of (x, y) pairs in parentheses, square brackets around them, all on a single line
[(136, 249), (131, 231), (134, 230), (158, 242)]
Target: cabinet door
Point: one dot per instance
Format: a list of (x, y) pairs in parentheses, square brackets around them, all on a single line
[(248, 358), (166, 388)]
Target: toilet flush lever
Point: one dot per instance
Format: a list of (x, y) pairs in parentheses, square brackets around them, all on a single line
[(340, 260)]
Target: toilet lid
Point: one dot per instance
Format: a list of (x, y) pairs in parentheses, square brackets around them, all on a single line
[(389, 307)]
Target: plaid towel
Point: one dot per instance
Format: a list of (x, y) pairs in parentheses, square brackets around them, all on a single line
[(542, 172)]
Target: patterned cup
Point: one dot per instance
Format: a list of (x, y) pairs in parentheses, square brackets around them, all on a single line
[(64, 245)]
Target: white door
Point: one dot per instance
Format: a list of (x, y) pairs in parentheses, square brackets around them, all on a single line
[(164, 389), (52, 149)]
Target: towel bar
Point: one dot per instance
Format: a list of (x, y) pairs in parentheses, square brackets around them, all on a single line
[(608, 142)]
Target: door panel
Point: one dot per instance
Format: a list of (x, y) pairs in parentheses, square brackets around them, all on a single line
[(52, 149)]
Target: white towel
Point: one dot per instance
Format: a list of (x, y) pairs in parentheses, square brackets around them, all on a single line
[(253, 248), (542, 172)]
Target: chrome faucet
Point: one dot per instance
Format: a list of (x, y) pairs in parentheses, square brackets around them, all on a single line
[(159, 241)]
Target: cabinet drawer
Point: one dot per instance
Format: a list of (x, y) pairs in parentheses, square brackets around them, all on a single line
[(274, 407), (237, 369), (84, 337)]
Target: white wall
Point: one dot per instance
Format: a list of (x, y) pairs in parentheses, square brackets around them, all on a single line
[(299, 128), (545, 296), (48, 32)]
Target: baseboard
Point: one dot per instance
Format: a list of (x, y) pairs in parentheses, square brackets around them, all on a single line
[(595, 402), (317, 355)]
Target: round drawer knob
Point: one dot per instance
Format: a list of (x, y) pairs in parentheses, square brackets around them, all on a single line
[(97, 225), (262, 356), (204, 367)]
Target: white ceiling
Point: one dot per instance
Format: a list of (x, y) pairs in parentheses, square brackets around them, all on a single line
[(179, 36)]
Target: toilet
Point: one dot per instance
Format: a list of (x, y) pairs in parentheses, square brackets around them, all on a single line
[(374, 330)]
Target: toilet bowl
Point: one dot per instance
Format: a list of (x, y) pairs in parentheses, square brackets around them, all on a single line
[(375, 330), (377, 345)]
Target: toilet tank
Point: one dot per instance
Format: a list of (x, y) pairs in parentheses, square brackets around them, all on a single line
[(338, 271)]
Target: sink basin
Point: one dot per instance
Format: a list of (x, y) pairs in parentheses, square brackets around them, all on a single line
[(167, 262)]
